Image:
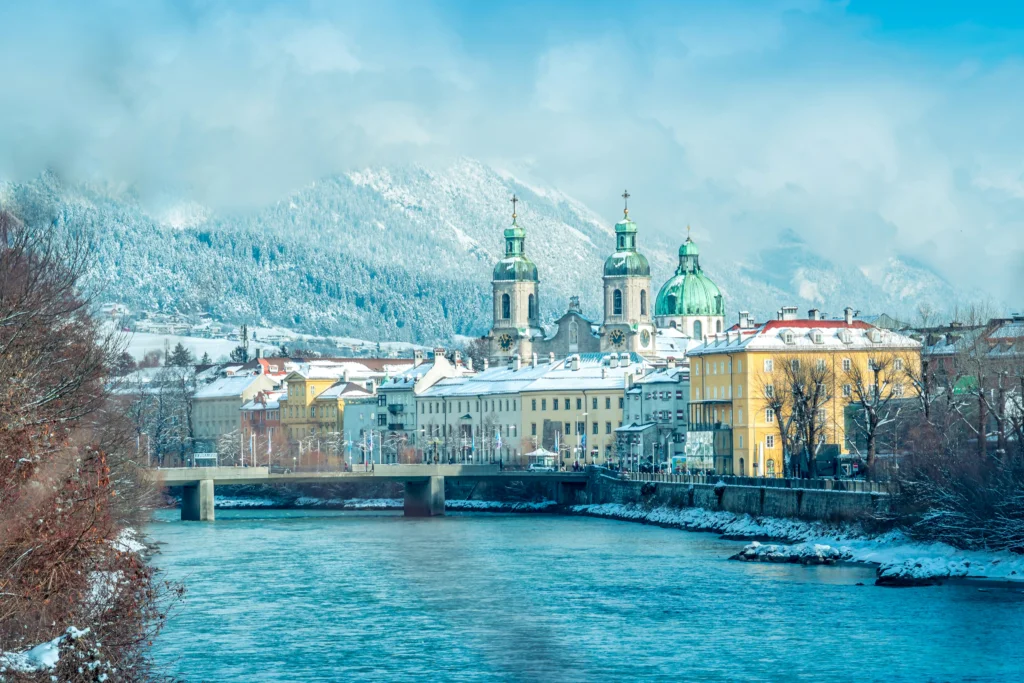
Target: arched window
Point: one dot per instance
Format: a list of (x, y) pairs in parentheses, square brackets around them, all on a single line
[(617, 302), (533, 307), (506, 306), (770, 467), (718, 326), (670, 302), (574, 333), (743, 472), (643, 302), (698, 330)]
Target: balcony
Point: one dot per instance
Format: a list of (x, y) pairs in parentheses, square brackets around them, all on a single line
[(396, 408), (396, 427)]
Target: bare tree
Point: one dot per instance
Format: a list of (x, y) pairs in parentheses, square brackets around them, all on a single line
[(797, 393), (873, 391)]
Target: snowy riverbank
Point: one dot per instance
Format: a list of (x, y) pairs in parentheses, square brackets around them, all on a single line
[(899, 560)]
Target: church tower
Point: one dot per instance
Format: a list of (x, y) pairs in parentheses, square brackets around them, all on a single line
[(627, 324), (690, 302), (516, 304)]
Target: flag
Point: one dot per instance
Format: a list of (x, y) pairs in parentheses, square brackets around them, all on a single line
[(497, 435)]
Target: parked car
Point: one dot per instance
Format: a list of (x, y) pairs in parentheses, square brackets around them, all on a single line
[(541, 468), (280, 469)]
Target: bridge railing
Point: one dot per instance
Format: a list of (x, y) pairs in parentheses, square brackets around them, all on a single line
[(853, 485)]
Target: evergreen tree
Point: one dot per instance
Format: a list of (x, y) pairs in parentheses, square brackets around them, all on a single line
[(206, 359), (180, 357), (240, 354)]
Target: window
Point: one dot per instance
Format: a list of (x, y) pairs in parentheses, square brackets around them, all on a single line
[(847, 390), (581, 428), (739, 366), (506, 307), (607, 427), (533, 429), (567, 404), (769, 415), (739, 416), (382, 420), (698, 331), (897, 390), (769, 441), (769, 365), (741, 441), (594, 429), (532, 307), (620, 403), (822, 416), (579, 404), (533, 404), (794, 364), (787, 337), (718, 326), (593, 403), (554, 403), (897, 364), (617, 302), (643, 302), (821, 365), (769, 390), (312, 411), (739, 391), (696, 369), (847, 364), (816, 337), (543, 404), (568, 428), (607, 402)]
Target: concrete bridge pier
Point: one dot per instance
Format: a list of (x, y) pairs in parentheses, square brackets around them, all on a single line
[(571, 493), (197, 501), (424, 497)]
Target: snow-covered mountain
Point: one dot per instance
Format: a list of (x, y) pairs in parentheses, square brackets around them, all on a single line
[(406, 254)]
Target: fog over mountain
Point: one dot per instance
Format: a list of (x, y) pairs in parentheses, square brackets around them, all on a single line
[(406, 253)]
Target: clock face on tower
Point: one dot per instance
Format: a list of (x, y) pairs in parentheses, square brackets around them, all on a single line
[(645, 338), (616, 337), (505, 341)]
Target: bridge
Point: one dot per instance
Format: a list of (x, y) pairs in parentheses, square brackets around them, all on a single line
[(424, 484)]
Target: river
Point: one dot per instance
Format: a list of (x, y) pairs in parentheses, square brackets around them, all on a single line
[(278, 595)]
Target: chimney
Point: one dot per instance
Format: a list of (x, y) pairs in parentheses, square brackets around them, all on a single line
[(469, 363), (511, 363), (814, 314), (778, 314), (438, 352), (671, 363), (604, 372), (517, 363), (613, 360), (458, 357), (417, 358), (575, 362), (848, 315), (533, 360), (344, 375), (551, 358), (624, 359), (744, 320), (629, 380), (486, 363), (789, 313)]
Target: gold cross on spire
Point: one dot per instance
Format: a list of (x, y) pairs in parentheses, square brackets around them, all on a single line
[(514, 200), (625, 203)]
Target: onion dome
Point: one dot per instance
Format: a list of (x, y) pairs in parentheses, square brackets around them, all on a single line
[(515, 266), (689, 291), (626, 260)]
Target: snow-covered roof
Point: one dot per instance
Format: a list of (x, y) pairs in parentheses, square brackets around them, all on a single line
[(665, 376), (227, 387), (792, 336), (672, 343), (344, 390), (273, 401)]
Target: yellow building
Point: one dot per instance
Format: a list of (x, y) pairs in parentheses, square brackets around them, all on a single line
[(315, 402), (741, 386)]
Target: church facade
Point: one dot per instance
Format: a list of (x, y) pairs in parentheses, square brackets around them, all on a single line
[(687, 308)]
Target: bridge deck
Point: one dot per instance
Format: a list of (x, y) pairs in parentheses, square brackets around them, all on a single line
[(188, 476)]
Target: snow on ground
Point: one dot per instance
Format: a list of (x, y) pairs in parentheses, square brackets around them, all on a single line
[(128, 541), (141, 343), (43, 656), (899, 559), (227, 503)]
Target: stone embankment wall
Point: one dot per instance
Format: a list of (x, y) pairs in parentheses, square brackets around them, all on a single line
[(812, 504)]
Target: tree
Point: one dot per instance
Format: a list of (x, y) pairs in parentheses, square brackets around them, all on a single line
[(180, 357), (478, 351), (205, 360), (874, 393), (240, 354), (795, 395), (123, 364), (66, 464)]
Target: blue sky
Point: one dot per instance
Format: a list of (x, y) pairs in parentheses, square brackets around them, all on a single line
[(868, 129)]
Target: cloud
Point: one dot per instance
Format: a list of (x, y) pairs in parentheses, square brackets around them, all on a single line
[(745, 120)]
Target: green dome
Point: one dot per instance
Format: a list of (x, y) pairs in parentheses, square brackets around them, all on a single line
[(689, 291), (627, 263), (516, 268), (626, 260)]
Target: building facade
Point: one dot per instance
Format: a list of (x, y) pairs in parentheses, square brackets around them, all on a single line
[(741, 380)]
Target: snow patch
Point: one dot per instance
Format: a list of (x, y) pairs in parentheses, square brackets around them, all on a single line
[(43, 656)]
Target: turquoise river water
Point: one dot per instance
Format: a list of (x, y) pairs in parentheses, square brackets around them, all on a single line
[(336, 596)]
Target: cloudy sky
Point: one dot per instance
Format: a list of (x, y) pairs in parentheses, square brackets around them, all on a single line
[(868, 129)]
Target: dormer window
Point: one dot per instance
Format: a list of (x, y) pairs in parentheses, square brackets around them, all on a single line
[(816, 337), (875, 335), (787, 337), (845, 336)]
